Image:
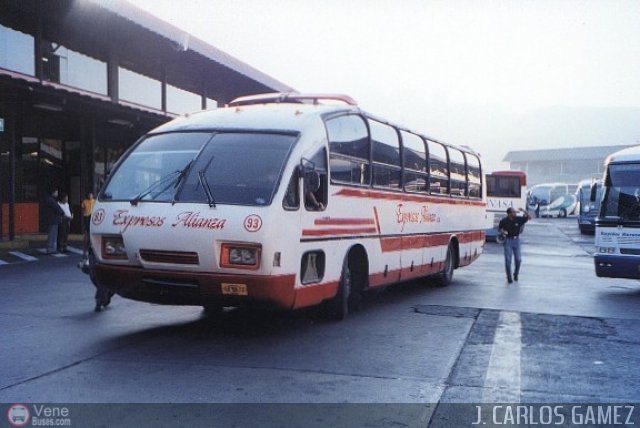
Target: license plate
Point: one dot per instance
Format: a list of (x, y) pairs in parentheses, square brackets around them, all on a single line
[(234, 289)]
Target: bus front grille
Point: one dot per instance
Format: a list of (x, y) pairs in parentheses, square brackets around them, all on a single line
[(173, 257)]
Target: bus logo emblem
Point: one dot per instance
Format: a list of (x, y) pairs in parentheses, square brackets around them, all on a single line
[(253, 223), (98, 217), (18, 415)]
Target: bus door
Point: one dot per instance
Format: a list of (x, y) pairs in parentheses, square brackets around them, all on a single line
[(312, 174)]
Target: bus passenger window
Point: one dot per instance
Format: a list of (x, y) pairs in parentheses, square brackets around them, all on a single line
[(349, 150)]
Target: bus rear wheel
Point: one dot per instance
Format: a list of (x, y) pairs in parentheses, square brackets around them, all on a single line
[(446, 276), (562, 213)]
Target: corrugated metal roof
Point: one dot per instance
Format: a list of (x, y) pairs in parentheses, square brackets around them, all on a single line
[(185, 41), (572, 153)]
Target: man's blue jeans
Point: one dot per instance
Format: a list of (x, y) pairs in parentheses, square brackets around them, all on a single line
[(512, 249)]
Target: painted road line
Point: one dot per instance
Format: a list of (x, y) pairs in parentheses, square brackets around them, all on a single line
[(23, 256), (2, 262), (74, 250), (503, 382), (59, 255)]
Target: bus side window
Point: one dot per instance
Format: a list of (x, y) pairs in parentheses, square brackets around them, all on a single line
[(315, 183), (291, 201)]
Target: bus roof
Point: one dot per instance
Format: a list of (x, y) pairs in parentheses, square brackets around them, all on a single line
[(557, 184), (277, 112), (587, 182), (632, 154)]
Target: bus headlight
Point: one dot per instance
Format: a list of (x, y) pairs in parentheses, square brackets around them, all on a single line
[(113, 248), (606, 250), (242, 256)]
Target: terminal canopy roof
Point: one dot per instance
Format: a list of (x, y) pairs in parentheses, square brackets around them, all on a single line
[(116, 31)]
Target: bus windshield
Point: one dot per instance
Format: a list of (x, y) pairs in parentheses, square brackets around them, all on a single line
[(622, 196), (584, 198), (233, 168), (540, 195)]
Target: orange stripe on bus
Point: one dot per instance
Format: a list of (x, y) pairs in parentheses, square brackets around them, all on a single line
[(328, 221), (338, 232)]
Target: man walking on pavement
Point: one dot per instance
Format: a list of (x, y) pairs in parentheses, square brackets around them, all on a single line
[(511, 227)]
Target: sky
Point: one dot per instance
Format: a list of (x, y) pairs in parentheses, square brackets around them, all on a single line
[(493, 75)]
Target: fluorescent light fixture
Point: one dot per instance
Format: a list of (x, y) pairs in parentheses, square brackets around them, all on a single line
[(121, 122), (50, 107)]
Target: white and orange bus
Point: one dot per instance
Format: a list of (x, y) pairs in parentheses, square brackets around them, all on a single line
[(505, 189), (287, 199)]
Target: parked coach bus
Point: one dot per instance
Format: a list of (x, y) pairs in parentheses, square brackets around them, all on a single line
[(505, 189), (286, 199), (552, 199), (588, 209), (618, 222)]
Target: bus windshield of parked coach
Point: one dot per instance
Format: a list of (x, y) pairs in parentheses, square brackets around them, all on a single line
[(153, 170), (238, 169), (622, 194)]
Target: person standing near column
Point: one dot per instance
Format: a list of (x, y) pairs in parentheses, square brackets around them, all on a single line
[(511, 227), (53, 216), (87, 210)]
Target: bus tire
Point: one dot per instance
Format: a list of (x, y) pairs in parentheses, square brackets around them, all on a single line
[(562, 213), (446, 276), (337, 308)]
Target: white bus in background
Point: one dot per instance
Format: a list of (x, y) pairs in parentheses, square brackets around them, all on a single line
[(505, 189), (587, 209), (290, 200), (552, 199), (618, 223)]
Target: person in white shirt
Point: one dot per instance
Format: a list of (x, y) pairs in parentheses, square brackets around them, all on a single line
[(63, 227)]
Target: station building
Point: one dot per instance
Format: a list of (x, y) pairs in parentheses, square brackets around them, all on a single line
[(81, 81), (568, 165)]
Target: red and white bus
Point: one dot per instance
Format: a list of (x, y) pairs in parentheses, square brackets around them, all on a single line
[(505, 189), (287, 199)]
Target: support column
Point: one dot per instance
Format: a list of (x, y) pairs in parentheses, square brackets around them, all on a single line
[(113, 89), (12, 180), (163, 89)]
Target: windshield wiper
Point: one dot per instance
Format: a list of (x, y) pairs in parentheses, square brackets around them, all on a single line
[(158, 183), (205, 184), (207, 190), (183, 173)]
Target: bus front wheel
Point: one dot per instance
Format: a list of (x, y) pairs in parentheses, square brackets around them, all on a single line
[(338, 307)]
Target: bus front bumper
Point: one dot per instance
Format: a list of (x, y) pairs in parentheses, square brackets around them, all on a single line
[(194, 288), (612, 266)]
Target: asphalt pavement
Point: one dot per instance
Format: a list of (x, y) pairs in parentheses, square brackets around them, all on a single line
[(559, 335)]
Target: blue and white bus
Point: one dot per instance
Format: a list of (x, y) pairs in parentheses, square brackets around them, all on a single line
[(588, 209), (552, 199), (618, 222)]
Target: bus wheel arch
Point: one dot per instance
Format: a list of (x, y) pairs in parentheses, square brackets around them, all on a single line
[(354, 279)]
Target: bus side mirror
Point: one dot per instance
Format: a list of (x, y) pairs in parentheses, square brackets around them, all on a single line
[(594, 189)]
